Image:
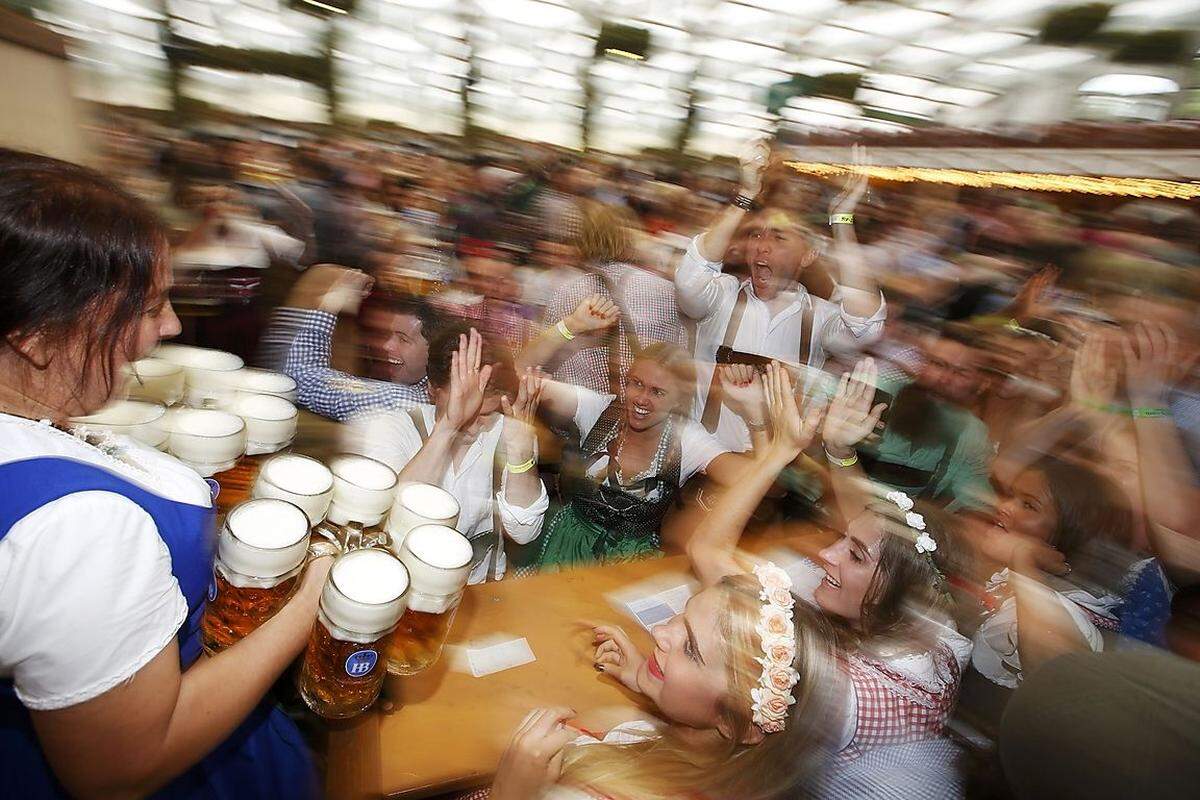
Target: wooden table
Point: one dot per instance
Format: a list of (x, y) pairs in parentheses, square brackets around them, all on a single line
[(449, 729)]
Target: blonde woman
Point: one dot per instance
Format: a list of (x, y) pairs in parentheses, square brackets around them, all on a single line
[(747, 691)]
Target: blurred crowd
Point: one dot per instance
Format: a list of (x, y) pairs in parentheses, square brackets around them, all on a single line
[(990, 396)]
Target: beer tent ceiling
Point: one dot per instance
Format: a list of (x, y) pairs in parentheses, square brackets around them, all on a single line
[(947, 61)]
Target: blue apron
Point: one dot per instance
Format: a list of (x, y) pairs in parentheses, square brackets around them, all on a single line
[(264, 758)]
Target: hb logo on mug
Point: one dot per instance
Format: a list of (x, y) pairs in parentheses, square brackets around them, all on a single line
[(360, 664)]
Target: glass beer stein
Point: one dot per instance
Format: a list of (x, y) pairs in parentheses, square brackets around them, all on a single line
[(439, 562), (364, 596), (419, 504), (298, 479), (260, 554), (363, 490)]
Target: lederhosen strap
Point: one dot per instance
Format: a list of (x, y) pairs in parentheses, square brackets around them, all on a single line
[(479, 544), (713, 402)]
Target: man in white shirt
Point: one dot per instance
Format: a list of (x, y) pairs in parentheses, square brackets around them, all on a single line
[(771, 313), (463, 444)]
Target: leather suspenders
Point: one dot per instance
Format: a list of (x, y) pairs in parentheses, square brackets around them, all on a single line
[(712, 401)]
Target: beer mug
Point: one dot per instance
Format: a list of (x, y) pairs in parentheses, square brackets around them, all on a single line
[(270, 422), (298, 479), (260, 554), (438, 559), (138, 419), (363, 489), (364, 596), (419, 504), (155, 380)]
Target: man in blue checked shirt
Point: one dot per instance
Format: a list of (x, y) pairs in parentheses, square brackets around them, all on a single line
[(395, 335)]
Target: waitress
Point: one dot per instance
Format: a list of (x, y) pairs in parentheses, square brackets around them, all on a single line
[(106, 546)]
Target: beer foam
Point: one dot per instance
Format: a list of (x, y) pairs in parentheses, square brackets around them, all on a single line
[(265, 406), (298, 474), (198, 357), (261, 380), (365, 472), (268, 523), (124, 412), (203, 422), (152, 368), (428, 501), (439, 546), (370, 576)]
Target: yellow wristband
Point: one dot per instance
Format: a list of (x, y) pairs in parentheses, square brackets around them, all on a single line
[(561, 327), (841, 219), (517, 469), (841, 462)]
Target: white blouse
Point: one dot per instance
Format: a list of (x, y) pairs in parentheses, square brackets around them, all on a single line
[(87, 597)]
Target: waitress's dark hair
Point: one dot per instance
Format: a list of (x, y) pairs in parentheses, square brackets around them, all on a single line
[(78, 255)]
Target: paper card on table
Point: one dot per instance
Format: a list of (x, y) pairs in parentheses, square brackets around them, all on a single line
[(654, 601), (492, 654)]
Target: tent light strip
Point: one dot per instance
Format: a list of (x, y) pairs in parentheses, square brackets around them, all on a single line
[(1030, 181)]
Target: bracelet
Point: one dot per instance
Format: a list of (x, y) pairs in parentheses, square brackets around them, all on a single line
[(561, 327), (841, 462), (1149, 413), (841, 219), (744, 202), (756, 426), (517, 469)]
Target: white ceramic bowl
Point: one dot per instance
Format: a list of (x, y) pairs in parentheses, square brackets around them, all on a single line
[(210, 374), (155, 380), (208, 441), (270, 422), (260, 381), (134, 418), (363, 490)]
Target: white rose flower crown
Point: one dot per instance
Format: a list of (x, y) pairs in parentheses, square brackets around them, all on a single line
[(924, 543), (773, 695)]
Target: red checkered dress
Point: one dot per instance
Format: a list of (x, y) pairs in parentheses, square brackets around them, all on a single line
[(649, 302), (893, 708)]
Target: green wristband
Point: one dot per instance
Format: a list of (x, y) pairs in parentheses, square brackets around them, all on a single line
[(1149, 413)]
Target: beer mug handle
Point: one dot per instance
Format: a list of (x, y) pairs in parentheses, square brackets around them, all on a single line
[(329, 533), (377, 539), (354, 536)]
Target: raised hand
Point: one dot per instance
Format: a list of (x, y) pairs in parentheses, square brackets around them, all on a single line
[(533, 760), (791, 432), (616, 655), (595, 313), (328, 287), (468, 381), (519, 432), (741, 386), (1093, 373), (851, 418), (754, 166), (855, 185), (1152, 363), (1031, 299)]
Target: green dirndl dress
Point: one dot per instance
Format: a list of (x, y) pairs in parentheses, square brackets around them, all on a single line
[(606, 521)]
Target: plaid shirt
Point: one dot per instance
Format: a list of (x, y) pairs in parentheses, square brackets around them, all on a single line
[(895, 709), (499, 320), (647, 300), (328, 392)]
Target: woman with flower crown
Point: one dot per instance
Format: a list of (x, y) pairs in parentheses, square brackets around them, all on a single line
[(753, 690)]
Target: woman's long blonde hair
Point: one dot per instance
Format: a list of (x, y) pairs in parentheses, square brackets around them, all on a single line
[(673, 766)]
